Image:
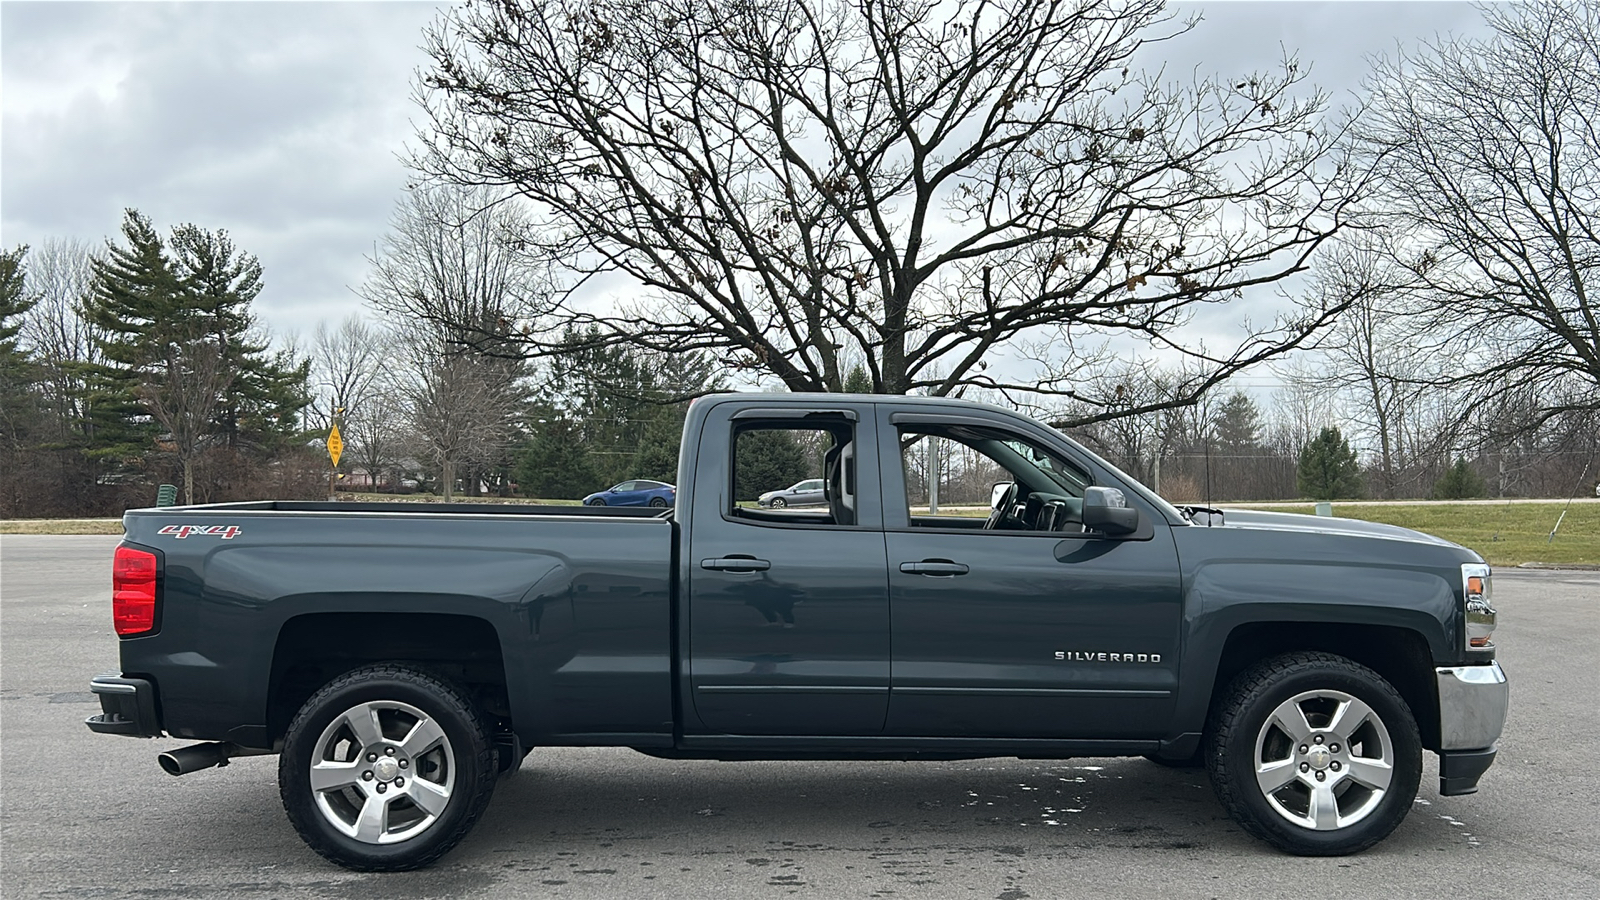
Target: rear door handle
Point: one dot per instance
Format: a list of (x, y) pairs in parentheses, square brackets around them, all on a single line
[(735, 564), (935, 567)]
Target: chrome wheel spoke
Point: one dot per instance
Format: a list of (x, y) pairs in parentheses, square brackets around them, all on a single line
[(429, 797), (1373, 774), (373, 820), (328, 776), (1292, 720), (424, 736), (1275, 776), (363, 722), (1324, 808), (1350, 715)]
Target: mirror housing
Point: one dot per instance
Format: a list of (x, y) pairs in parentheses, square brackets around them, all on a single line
[(1106, 509), (997, 494)]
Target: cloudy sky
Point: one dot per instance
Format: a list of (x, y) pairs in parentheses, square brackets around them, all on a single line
[(283, 121)]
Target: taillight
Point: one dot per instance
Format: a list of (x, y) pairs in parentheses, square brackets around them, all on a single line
[(133, 591)]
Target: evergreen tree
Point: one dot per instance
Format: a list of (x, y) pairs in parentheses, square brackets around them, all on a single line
[(857, 381), (1238, 423), (184, 360), (768, 460), (555, 465), (134, 302), (1459, 482), (657, 458), (261, 405), (19, 408), (1328, 468)]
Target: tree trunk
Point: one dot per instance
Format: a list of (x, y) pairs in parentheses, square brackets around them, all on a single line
[(188, 481), (447, 477)]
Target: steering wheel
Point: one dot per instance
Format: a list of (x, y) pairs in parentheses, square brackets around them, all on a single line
[(997, 514)]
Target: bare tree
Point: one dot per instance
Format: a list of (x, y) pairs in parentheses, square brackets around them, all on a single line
[(458, 406), (64, 343), (802, 185), (1369, 359), (1489, 158), (183, 390), (447, 277)]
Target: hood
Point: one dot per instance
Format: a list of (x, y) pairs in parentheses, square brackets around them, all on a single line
[(1252, 519)]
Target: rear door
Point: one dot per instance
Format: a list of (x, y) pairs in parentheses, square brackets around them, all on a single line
[(788, 608), (1033, 628)]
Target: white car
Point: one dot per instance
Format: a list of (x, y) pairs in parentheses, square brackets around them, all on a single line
[(804, 493)]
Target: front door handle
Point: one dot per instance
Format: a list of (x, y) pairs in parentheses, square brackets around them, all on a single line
[(935, 567), (735, 564)]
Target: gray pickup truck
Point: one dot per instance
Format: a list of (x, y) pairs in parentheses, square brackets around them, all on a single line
[(400, 657)]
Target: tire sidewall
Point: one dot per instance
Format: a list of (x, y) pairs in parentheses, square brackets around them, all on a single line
[(300, 746), (1239, 759)]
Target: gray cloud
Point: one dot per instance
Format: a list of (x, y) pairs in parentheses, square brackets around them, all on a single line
[(281, 121), (278, 121)]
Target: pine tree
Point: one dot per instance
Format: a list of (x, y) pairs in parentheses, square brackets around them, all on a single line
[(1328, 468), (1238, 423), (19, 406), (184, 358), (767, 460), (555, 465), (1459, 482)]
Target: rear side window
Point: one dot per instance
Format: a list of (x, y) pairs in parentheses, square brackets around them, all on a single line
[(784, 473)]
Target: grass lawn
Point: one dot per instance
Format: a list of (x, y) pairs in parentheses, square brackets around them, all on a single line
[(60, 526), (1505, 533)]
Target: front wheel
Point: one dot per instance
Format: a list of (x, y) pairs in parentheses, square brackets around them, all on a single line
[(386, 768), (779, 503), (598, 501), (1314, 754)]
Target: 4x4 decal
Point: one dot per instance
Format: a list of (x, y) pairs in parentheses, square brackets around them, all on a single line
[(226, 532)]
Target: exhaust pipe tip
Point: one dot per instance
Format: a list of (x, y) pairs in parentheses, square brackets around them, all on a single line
[(193, 758)]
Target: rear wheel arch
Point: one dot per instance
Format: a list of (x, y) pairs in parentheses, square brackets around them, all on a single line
[(315, 648)]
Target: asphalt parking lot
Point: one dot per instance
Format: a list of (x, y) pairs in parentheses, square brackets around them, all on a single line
[(89, 816)]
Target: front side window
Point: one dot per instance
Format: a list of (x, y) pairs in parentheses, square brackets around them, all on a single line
[(968, 477)]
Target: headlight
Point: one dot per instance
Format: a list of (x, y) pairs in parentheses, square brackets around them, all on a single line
[(1477, 587)]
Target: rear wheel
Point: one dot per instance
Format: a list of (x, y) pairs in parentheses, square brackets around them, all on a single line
[(658, 502), (386, 768), (1315, 754)]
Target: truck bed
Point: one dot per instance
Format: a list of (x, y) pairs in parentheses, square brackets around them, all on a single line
[(579, 601)]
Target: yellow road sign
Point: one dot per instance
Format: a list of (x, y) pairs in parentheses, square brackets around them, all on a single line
[(335, 445)]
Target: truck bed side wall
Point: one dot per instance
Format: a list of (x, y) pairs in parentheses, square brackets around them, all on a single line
[(580, 606)]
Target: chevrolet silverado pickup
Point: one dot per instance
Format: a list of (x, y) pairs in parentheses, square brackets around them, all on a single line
[(398, 658)]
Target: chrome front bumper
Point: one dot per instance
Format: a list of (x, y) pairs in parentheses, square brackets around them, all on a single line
[(1472, 706)]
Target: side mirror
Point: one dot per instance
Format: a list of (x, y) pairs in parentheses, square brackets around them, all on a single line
[(998, 494), (1106, 509)]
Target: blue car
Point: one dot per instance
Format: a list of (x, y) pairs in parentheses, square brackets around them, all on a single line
[(635, 493)]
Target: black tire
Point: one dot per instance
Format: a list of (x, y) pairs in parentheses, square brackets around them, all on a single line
[(598, 501), (658, 503), (779, 503), (1240, 739), (395, 699)]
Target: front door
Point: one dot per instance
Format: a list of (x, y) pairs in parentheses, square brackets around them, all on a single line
[(1028, 628), (789, 608)]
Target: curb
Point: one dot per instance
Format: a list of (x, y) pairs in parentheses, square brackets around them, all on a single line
[(1557, 567)]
